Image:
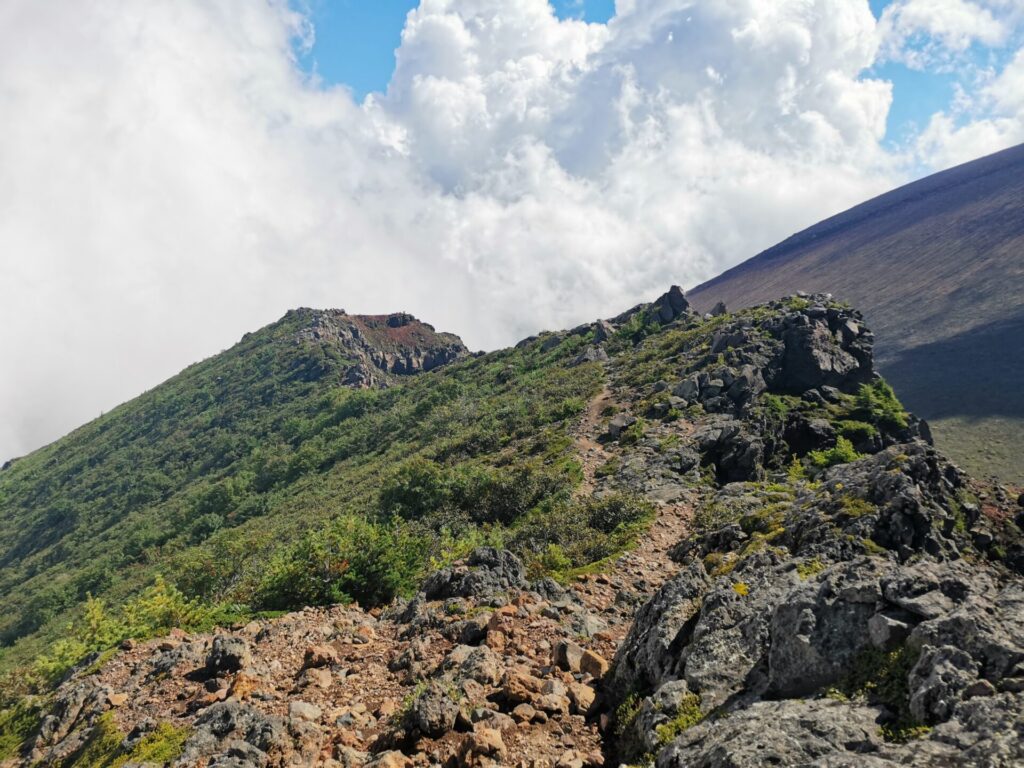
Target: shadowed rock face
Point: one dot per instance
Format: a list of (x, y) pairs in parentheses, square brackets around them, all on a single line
[(936, 268)]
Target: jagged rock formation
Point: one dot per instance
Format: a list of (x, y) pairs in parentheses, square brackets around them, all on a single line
[(818, 586), (379, 347)]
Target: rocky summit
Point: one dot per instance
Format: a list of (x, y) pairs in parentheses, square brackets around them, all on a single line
[(665, 538), (379, 347)]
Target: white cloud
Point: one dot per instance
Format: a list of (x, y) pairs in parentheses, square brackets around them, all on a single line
[(170, 180), (932, 33), (991, 120)]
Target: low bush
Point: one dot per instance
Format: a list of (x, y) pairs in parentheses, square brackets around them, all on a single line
[(349, 559), (877, 403), (842, 453)]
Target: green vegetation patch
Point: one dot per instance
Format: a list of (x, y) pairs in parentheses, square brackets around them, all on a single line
[(688, 715), (881, 678), (842, 453), (18, 723), (103, 748)]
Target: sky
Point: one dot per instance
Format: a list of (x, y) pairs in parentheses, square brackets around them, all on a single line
[(176, 173)]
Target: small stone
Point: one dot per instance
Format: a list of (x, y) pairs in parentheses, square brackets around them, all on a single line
[(228, 654), (593, 664), (483, 742), (243, 686), (302, 710), (556, 687), (518, 688), (552, 703), (568, 656), (582, 698), (320, 656), (321, 678), (979, 688), (885, 631), (523, 713), (392, 759)]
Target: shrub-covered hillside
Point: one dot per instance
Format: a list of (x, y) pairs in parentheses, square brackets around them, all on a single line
[(215, 478)]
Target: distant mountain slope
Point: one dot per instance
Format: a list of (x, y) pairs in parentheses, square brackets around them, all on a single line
[(937, 267)]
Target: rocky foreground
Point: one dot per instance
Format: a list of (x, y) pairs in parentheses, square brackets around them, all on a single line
[(820, 588)]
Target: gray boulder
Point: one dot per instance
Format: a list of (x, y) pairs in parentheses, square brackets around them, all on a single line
[(434, 712), (230, 733), (671, 305), (486, 572), (228, 654)]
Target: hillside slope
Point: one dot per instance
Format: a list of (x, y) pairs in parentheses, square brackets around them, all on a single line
[(937, 267), (97, 510), (662, 539)]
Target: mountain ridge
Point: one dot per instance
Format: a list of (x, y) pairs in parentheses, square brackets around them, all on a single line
[(667, 537)]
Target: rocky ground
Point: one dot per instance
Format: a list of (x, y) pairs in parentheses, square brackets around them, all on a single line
[(814, 590)]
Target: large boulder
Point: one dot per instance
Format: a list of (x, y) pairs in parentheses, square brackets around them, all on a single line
[(823, 347), (232, 733), (671, 305), (485, 573), (228, 654)]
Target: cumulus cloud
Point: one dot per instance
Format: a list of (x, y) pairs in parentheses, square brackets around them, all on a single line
[(990, 120), (930, 33), (170, 179)]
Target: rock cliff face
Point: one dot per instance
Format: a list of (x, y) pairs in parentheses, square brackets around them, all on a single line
[(819, 587), (378, 348)]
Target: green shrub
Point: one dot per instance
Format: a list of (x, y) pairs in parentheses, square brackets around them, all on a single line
[(626, 714), (17, 723), (634, 433), (617, 509), (103, 748), (842, 453), (856, 431), (808, 569), (157, 610), (422, 489), (553, 560), (637, 328), (349, 559), (877, 403), (609, 468)]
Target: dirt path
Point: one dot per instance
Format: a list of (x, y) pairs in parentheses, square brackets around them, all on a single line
[(373, 667), (592, 454), (646, 567)]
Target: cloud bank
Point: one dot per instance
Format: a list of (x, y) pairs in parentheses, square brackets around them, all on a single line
[(170, 179)]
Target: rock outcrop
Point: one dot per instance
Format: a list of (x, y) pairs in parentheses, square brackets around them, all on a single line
[(378, 348)]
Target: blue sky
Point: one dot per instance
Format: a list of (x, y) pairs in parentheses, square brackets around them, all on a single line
[(356, 41)]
